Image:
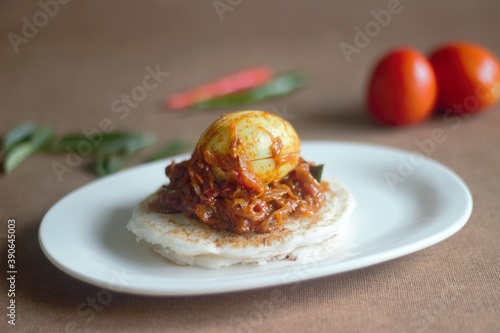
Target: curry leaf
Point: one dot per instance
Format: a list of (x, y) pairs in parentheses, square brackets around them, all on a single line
[(106, 164), (18, 134), (281, 85), (316, 171), (170, 149), (130, 143), (69, 142), (75, 141), (18, 154), (42, 137), (116, 154)]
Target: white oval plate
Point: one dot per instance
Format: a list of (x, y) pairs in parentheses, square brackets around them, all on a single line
[(405, 202)]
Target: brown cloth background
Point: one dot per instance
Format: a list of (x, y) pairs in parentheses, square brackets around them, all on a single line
[(90, 52)]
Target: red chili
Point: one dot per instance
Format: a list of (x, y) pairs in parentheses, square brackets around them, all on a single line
[(233, 83)]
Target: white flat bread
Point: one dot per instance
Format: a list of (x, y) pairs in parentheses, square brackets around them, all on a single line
[(191, 242)]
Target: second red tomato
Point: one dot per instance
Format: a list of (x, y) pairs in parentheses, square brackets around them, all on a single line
[(402, 88), (468, 77)]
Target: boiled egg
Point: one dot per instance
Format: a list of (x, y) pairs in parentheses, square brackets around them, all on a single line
[(268, 142)]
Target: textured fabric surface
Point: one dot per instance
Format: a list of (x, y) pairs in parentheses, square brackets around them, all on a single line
[(69, 72)]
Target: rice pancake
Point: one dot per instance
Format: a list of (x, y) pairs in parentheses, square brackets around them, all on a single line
[(191, 242)]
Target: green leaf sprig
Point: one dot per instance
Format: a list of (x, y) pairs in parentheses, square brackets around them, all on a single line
[(281, 85), (116, 149), (111, 151)]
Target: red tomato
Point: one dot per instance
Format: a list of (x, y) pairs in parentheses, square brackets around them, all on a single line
[(468, 77), (402, 89)]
